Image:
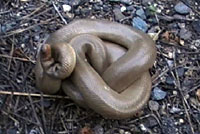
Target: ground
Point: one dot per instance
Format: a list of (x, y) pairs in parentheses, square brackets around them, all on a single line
[(174, 105)]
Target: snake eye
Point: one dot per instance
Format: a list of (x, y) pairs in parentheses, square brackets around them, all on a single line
[(46, 52)]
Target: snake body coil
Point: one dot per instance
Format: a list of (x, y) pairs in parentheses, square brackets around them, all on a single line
[(100, 64)]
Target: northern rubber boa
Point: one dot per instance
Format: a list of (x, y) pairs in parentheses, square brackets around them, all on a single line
[(117, 85)]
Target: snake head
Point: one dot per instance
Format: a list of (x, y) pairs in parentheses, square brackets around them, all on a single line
[(58, 61), (46, 52)]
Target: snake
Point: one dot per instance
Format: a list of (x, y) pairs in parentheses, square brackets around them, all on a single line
[(99, 64)]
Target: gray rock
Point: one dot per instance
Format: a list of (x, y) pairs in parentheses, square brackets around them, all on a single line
[(145, 2), (185, 34), (158, 94), (37, 29), (153, 105), (76, 3), (123, 1), (150, 122), (131, 8), (3, 29), (174, 110), (196, 42), (121, 131), (140, 24), (127, 132), (196, 26), (127, 1), (182, 8), (170, 80), (118, 14), (34, 131), (181, 71), (11, 131), (9, 26), (98, 129), (140, 12), (114, 0)]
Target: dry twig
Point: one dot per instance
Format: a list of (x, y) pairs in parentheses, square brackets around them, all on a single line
[(33, 95)]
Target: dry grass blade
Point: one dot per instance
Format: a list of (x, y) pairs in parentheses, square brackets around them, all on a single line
[(33, 95), (17, 58)]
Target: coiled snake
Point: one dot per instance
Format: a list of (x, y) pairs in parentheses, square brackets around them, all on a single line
[(100, 64)]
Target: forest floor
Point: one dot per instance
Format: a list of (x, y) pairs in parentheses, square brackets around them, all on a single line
[(174, 105)]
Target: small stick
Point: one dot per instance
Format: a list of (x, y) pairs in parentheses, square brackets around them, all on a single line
[(63, 19), (17, 58), (33, 95), (184, 101), (17, 31), (32, 13)]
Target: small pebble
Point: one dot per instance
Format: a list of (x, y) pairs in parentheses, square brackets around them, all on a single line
[(146, 2), (131, 8), (23, 45), (181, 25), (37, 29), (76, 3), (69, 15), (127, 1), (118, 14), (36, 37), (140, 12), (181, 71), (185, 34), (170, 55), (194, 102), (46, 103), (11, 131), (127, 132), (140, 24), (123, 8), (97, 7), (2, 28), (153, 105), (182, 8), (150, 122), (196, 26), (198, 94), (10, 26), (175, 92), (182, 42), (121, 131), (114, 0), (187, 96), (181, 121), (158, 94), (170, 62), (98, 129), (34, 132), (143, 128), (174, 110), (196, 42), (170, 80), (66, 8)]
